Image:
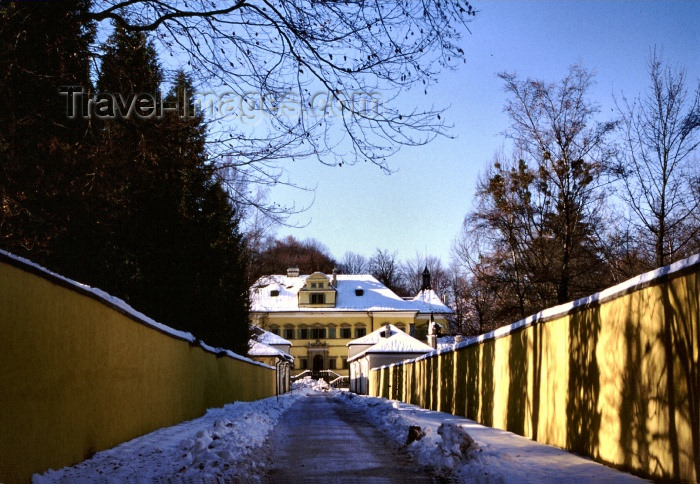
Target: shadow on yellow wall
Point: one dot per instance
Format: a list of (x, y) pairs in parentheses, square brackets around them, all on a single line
[(79, 375), (615, 376)]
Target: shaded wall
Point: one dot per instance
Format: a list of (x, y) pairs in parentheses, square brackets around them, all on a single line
[(614, 376), (79, 375)]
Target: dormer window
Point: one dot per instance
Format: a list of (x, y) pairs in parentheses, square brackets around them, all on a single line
[(317, 291), (359, 291), (274, 293)]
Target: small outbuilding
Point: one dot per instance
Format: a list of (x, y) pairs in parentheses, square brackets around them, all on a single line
[(271, 339), (272, 354), (382, 347)]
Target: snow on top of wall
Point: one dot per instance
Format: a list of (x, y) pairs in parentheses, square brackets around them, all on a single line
[(117, 304), (626, 287), (375, 296)]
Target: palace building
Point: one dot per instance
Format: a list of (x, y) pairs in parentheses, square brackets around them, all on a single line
[(320, 314)]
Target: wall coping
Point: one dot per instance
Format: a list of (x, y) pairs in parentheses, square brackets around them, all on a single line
[(631, 285), (118, 305)]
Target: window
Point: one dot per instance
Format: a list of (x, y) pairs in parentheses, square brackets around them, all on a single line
[(412, 330), (345, 333), (422, 333), (274, 293), (320, 285), (288, 333), (318, 298), (401, 326), (318, 333), (331, 332), (359, 291), (275, 330), (313, 285), (304, 363), (303, 333), (345, 363), (360, 332), (331, 363)]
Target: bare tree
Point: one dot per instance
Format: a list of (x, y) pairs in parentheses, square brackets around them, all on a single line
[(659, 163), (305, 78), (353, 263), (488, 291), (385, 268), (412, 274), (556, 137)]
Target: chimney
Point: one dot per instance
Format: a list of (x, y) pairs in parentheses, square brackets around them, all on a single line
[(387, 331), (335, 278), (293, 272)]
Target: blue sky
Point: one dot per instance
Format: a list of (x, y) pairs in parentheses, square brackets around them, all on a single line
[(420, 208)]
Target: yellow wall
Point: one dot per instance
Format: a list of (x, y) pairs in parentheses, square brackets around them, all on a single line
[(78, 376), (618, 381)]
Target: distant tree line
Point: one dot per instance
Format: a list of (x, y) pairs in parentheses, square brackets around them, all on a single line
[(405, 278)]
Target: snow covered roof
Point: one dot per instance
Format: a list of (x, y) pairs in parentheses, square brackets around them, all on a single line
[(256, 348), (428, 296), (397, 342), (279, 293), (272, 339), (375, 336)]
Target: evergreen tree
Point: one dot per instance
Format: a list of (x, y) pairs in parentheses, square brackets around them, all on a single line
[(168, 235), (43, 46)]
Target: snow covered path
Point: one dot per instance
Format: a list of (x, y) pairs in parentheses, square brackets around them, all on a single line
[(316, 435), (464, 451), (323, 439)]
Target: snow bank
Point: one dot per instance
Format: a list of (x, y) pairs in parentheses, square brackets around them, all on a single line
[(223, 445), (228, 445), (309, 384), (463, 451)]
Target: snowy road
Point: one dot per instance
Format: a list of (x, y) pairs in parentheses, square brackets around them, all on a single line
[(316, 435), (322, 438)]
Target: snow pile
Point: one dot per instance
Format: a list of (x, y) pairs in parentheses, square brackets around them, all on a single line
[(457, 446), (223, 445), (310, 384), (444, 446)]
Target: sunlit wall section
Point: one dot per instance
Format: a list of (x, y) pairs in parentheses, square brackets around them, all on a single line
[(614, 376)]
